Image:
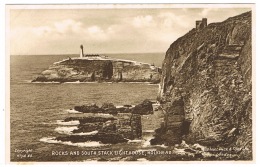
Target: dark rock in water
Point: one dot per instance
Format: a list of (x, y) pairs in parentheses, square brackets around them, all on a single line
[(111, 127), (102, 160), (40, 79), (156, 141), (88, 127), (105, 138), (109, 108), (125, 125), (144, 108), (123, 110), (88, 109), (89, 119), (198, 155), (136, 125), (110, 138), (158, 136), (189, 150)]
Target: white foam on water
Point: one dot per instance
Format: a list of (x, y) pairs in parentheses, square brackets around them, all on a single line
[(78, 82), (134, 141), (47, 123), (46, 82), (199, 146), (153, 84), (75, 82), (101, 114), (149, 131), (49, 140), (163, 146), (26, 81), (142, 159), (147, 142), (125, 107), (72, 111), (65, 129), (52, 140), (119, 106), (87, 144), (145, 83), (88, 133), (179, 151), (69, 123)]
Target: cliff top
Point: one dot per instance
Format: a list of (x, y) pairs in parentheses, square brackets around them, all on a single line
[(103, 58)]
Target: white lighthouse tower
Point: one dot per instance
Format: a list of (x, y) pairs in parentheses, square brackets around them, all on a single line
[(81, 51)]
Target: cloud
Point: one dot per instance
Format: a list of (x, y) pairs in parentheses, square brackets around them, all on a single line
[(120, 30), (205, 12), (69, 28), (67, 25), (42, 30), (95, 30), (62, 27), (170, 20), (96, 33), (142, 21)]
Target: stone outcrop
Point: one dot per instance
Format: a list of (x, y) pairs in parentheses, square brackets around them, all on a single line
[(144, 108), (101, 69), (206, 85), (107, 129)]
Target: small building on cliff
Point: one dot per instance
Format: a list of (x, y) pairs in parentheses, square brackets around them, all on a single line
[(200, 24)]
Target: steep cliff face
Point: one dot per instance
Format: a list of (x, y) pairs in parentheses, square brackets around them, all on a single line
[(206, 86), (99, 69)]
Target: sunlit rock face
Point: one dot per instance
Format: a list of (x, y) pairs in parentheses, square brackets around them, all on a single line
[(206, 86)]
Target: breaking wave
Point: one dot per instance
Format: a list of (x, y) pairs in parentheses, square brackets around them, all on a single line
[(53, 82), (135, 141), (65, 129), (69, 123), (72, 111), (87, 133), (53, 140)]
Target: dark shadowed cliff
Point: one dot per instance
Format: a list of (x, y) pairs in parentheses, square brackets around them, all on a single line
[(206, 87)]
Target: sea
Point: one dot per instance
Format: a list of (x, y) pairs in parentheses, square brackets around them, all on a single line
[(37, 109)]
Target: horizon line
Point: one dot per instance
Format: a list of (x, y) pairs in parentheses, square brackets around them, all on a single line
[(85, 54)]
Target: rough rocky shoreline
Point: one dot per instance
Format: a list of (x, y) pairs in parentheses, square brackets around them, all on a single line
[(144, 108), (119, 125)]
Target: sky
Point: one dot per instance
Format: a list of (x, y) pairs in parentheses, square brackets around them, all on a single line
[(146, 30)]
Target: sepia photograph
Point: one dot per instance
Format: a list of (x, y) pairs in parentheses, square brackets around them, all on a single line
[(139, 83)]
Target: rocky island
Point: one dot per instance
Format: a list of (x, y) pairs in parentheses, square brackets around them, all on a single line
[(206, 87), (97, 68)]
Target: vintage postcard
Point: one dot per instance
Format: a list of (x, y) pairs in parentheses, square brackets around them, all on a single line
[(161, 82)]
